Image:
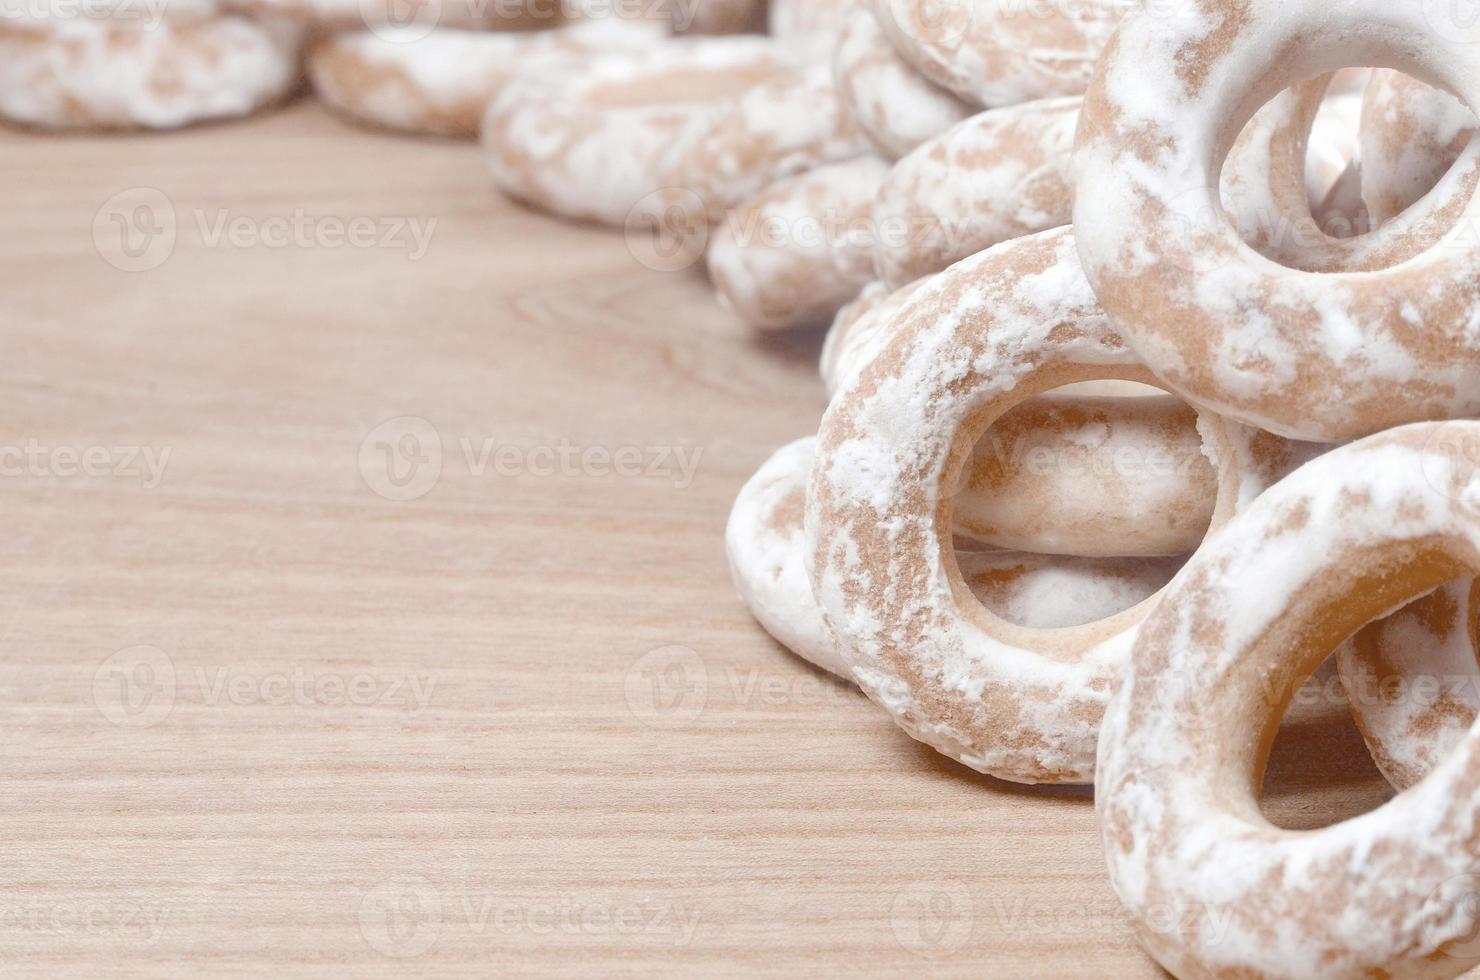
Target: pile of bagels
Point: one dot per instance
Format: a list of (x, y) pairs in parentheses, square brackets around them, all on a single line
[(1153, 341), (1153, 337)]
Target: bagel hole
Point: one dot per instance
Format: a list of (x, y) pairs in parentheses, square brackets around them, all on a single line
[(1325, 200), (1333, 179), (1081, 503), (1319, 771), (1394, 700)]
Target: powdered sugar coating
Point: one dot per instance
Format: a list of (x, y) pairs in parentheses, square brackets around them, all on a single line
[(1413, 681), (100, 74), (993, 53), (785, 126), (894, 104), (442, 83), (587, 144), (1313, 356), (765, 543), (1267, 184), (1001, 174), (1345, 538), (797, 252), (984, 335), (1411, 134)]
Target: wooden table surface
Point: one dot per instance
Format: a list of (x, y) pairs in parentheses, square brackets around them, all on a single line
[(368, 610)]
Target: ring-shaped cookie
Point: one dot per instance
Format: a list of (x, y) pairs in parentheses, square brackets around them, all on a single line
[(442, 83), (996, 54), (82, 73), (766, 546), (970, 344), (1413, 681), (588, 144), (1390, 893), (1000, 174), (795, 253), (1410, 136), (1265, 185), (784, 126), (896, 106), (1326, 357)]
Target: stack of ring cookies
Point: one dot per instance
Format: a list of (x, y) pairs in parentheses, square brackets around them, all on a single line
[(1263, 210)]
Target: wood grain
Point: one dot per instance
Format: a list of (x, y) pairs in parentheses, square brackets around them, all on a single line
[(516, 725)]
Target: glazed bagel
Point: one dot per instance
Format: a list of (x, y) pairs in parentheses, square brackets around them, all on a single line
[(1001, 174), (442, 83), (970, 344), (99, 74), (1411, 134), (998, 54), (1411, 679), (587, 144), (1315, 356), (891, 102), (787, 125), (766, 547), (801, 249), (1341, 541)]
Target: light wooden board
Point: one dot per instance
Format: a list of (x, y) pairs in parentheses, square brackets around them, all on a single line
[(519, 724)]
